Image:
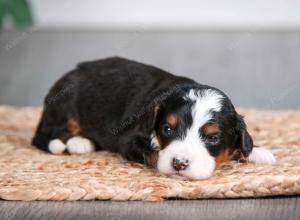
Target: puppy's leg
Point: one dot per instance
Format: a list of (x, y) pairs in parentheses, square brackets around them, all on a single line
[(79, 145), (136, 147), (48, 136), (261, 155)]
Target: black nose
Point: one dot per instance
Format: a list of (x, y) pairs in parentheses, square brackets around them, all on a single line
[(180, 164)]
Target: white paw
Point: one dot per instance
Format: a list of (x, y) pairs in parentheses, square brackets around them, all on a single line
[(79, 145), (56, 146), (261, 155)]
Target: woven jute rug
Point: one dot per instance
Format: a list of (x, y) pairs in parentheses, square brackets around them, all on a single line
[(29, 174)]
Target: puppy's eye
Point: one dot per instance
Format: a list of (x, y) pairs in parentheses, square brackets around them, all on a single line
[(167, 130), (212, 139)]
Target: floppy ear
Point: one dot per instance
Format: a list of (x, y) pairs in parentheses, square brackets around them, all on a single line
[(151, 118), (155, 113), (245, 142)]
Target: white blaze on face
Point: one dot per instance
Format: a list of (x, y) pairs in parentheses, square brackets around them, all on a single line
[(192, 148)]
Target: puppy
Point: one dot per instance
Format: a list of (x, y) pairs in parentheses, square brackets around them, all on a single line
[(147, 115)]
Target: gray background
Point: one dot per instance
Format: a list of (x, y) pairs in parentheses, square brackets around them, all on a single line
[(256, 68)]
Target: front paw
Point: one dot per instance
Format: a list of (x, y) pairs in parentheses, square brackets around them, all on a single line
[(261, 156)]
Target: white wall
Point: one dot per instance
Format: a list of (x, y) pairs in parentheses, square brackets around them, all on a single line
[(167, 13)]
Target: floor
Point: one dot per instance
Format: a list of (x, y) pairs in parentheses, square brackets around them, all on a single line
[(245, 209)]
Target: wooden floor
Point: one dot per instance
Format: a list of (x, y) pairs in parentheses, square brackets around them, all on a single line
[(243, 209)]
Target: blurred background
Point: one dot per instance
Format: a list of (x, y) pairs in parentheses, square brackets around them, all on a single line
[(248, 49)]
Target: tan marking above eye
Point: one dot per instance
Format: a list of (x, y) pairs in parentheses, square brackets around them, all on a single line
[(211, 128), (172, 120)]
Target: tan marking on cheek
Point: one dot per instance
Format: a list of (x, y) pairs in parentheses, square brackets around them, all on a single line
[(73, 127), (211, 129), (172, 120), (224, 156), (151, 159)]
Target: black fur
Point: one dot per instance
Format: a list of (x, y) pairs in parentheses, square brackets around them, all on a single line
[(118, 103)]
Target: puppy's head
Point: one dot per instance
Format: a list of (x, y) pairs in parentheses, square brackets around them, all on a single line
[(195, 130)]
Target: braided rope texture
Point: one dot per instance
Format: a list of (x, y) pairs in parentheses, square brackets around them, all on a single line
[(29, 174)]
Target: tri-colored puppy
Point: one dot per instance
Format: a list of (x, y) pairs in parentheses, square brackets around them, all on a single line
[(147, 115)]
